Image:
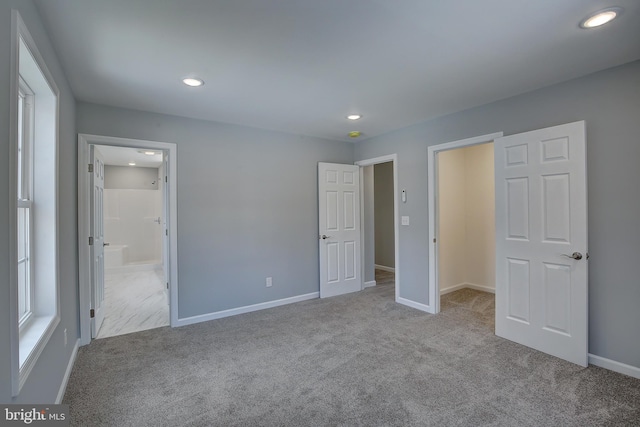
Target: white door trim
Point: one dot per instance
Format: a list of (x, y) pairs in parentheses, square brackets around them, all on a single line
[(396, 220), (84, 259), (432, 151)]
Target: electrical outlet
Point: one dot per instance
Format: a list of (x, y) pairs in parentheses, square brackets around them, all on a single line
[(269, 282), (65, 337)]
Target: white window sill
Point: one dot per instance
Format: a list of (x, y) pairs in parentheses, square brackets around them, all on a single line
[(33, 338)]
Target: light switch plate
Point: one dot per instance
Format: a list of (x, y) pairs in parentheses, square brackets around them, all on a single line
[(405, 220)]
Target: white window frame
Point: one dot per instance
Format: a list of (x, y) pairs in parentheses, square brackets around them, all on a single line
[(30, 334), (24, 200)]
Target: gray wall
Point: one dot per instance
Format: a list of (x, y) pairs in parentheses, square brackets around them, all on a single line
[(368, 228), (130, 178), (609, 101), (383, 200), (247, 205), (44, 381)]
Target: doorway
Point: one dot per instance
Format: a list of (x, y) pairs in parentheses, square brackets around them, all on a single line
[(451, 189), (135, 292), (153, 256), (379, 218), (466, 219), (540, 215), (466, 229)]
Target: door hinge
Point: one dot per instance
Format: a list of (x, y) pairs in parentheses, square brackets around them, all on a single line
[(167, 285), (166, 179), (90, 168), (92, 313), (166, 232), (90, 240), (434, 240)]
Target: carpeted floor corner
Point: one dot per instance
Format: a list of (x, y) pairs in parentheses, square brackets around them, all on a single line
[(354, 360)]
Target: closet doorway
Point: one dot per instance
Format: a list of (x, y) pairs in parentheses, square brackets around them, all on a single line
[(466, 228), (462, 223)]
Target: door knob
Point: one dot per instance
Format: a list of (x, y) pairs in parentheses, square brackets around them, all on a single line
[(576, 255), (325, 237)]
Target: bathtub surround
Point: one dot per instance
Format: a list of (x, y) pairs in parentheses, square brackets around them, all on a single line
[(133, 217), (131, 177)]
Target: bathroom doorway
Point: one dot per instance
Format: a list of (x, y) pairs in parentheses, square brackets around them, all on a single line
[(135, 288)]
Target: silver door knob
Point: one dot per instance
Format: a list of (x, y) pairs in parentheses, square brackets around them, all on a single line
[(576, 255), (325, 237)]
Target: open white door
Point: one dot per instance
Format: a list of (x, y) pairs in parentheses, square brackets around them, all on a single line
[(339, 228), (165, 222), (96, 231), (541, 240)]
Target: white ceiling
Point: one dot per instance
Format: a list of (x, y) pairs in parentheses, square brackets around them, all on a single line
[(301, 66), (122, 156)]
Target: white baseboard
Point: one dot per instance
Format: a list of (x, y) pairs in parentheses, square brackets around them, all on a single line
[(612, 365), (444, 291), (385, 268), (416, 305), (467, 285), (369, 284), (246, 309), (67, 373)]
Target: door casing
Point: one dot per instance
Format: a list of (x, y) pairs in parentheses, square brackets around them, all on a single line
[(84, 259)]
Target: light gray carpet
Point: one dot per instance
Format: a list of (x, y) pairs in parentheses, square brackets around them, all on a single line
[(354, 360)]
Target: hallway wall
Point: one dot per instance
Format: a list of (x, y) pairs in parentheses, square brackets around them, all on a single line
[(383, 217)]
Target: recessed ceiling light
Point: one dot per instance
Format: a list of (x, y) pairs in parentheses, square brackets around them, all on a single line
[(132, 163), (193, 81), (354, 116), (150, 153), (601, 17)]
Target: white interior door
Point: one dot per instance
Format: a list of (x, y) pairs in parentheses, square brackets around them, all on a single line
[(541, 240), (339, 228), (97, 234)]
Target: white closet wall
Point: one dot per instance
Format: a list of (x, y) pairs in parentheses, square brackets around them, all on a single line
[(466, 212)]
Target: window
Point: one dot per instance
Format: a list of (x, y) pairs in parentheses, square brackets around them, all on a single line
[(25, 204), (34, 267)]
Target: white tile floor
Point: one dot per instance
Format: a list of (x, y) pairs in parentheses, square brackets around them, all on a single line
[(134, 301)]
